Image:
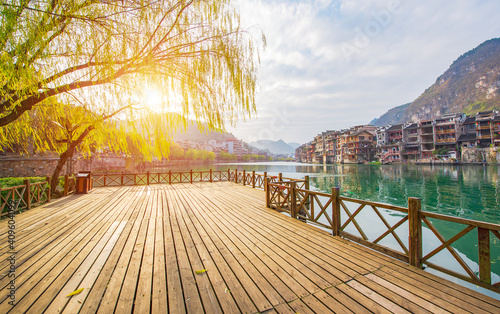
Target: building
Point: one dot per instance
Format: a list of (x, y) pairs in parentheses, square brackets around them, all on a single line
[(426, 134), (485, 128), (391, 150), (447, 130), (468, 137), (411, 143)]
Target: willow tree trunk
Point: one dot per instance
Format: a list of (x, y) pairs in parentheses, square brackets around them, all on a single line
[(60, 164), (65, 156)]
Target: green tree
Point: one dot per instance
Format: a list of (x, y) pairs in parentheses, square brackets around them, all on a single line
[(440, 152), (99, 53), (191, 154), (245, 157), (224, 156), (66, 129), (176, 151), (211, 156)]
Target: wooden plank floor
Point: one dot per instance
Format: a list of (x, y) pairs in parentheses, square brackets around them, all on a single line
[(207, 247)]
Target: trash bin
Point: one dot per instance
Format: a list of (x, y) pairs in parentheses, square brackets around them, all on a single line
[(83, 182)]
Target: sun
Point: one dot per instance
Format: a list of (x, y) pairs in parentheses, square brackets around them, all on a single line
[(153, 99)]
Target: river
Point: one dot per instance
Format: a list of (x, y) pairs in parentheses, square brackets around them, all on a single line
[(470, 192)]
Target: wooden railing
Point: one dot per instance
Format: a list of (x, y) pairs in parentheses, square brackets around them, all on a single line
[(339, 215), (24, 197), (69, 185), (241, 177), (120, 179)]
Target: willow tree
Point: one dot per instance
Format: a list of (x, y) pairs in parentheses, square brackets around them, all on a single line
[(66, 129), (101, 52)]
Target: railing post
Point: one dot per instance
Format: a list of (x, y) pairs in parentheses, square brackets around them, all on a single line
[(228, 175), (191, 176), (66, 184), (306, 185), (49, 194), (293, 200), (236, 175), (266, 188), (27, 194), (211, 175), (253, 179), (336, 218), (121, 179), (244, 177), (280, 177), (147, 177), (170, 177), (483, 237), (415, 234)]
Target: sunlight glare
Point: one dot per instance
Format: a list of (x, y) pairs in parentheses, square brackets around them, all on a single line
[(153, 99)]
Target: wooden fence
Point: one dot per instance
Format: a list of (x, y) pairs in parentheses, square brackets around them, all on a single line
[(336, 213), (39, 193), (23, 197)]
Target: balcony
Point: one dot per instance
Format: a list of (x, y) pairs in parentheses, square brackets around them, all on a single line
[(446, 140), (484, 137), (411, 152), (427, 132), (445, 131), (482, 127)]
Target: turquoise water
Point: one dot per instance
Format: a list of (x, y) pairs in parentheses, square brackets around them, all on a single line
[(470, 192)]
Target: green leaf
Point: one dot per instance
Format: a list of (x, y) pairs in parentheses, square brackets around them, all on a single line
[(200, 271)]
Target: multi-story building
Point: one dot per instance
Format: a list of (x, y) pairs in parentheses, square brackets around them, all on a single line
[(311, 148), (447, 130), (330, 138), (426, 132), (341, 146), (360, 147), (484, 128), (381, 135), (467, 137), (496, 131), (391, 150), (411, 143), (319, 151)]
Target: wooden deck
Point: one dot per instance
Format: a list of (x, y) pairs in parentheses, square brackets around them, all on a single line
[(138, 249)]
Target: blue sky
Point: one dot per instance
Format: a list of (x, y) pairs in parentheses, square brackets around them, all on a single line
[(332, 64)]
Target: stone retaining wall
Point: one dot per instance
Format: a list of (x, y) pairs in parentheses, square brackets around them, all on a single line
[(28, 167), (490, 155)]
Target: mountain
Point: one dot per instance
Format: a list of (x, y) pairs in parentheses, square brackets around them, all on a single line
[(471, 84), (394, 114), (275, 147), (193, 133), (294, 145)]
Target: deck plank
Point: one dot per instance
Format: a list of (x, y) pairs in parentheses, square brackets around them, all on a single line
[(137, 249), (246, 271)]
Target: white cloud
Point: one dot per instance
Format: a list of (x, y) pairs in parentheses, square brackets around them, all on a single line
[(400, 48)]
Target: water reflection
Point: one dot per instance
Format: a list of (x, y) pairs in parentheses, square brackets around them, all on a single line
[(465, 191)]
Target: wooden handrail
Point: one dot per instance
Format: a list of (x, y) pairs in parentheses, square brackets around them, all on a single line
[(283, 197)]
